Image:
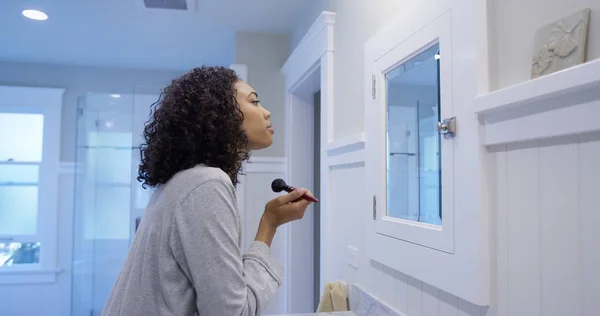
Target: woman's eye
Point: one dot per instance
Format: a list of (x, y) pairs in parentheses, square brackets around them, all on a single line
[(257, 102)]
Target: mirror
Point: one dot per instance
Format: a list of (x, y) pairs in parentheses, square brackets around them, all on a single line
[(413, 143)]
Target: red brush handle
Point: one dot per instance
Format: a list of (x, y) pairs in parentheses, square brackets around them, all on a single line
[(289, 189)]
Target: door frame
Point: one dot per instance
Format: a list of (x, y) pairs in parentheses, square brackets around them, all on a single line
[(312, 62)]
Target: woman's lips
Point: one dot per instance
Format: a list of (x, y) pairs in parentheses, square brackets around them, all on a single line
[(271, 129)]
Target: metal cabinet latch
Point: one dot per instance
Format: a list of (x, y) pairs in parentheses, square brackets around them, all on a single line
[(447, 127)]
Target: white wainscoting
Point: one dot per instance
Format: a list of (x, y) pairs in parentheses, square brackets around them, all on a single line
[(350, 213), (253, 192), (547, 234), (543, 138)]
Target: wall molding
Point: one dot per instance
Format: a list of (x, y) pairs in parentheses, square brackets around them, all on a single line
[(265, 165), (253, 165), (346, 142), (313, 58), (28, 276), (346, 151), (564, 103), (316, 42), (67, 168)]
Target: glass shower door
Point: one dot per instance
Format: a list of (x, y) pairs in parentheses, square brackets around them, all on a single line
[(102, 216)]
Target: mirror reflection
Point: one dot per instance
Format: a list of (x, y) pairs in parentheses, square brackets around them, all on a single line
[(413, 142)]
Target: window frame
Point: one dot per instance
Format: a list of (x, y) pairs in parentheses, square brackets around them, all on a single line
[(48, 102)]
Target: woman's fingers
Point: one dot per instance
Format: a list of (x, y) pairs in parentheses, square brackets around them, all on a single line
[(291, 197)]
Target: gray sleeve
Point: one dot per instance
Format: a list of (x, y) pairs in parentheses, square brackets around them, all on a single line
[(205, 244)]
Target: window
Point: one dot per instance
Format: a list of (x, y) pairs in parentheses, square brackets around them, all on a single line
[(29, 148), (20, 160)]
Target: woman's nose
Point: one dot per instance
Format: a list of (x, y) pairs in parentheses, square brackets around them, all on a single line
[(267, 114)]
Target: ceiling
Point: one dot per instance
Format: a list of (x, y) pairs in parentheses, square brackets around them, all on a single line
[(121, 33)]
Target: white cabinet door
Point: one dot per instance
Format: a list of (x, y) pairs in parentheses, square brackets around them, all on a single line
[(425, 177), (410, 158)]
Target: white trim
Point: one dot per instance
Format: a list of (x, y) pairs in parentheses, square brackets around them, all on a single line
[(574, 120), (317, 41), (67, 168), (566, 82), (542, 108), (266, 165), (30, 96), (260, 159), (315, 51), (348, 158), (346, 151), (349, 141), (28, 275)]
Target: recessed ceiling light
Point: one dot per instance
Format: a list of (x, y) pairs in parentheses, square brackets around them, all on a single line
[(35, 15), (115, 96)]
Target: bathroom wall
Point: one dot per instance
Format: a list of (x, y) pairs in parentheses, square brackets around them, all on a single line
[(544, 214), (264, 55), (356, 21), (545, 259), (513, 24), (546, 227), (78, 81)]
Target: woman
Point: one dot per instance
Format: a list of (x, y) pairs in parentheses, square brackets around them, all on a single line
[(186, 257)]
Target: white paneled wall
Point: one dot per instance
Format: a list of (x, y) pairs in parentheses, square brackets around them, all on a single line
[(253, 192), (547, 236), (258, 192), (402, 293)]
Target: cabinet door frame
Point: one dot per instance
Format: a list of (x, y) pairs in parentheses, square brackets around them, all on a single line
[(460, 266), (436, 237)]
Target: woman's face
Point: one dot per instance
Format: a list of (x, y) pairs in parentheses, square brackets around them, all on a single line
[(256, 118)]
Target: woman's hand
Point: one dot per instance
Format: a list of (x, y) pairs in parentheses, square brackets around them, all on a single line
[(286, 208), (281, 210)]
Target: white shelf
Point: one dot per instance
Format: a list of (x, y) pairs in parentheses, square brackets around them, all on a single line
[(565, 103), (575, 79)]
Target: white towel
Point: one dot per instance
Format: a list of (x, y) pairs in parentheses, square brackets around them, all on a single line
[(335, 298)]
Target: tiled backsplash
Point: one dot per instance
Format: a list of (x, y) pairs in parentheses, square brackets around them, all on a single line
[(363, 304)]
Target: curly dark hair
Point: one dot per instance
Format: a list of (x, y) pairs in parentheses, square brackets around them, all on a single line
[(196, 120)]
